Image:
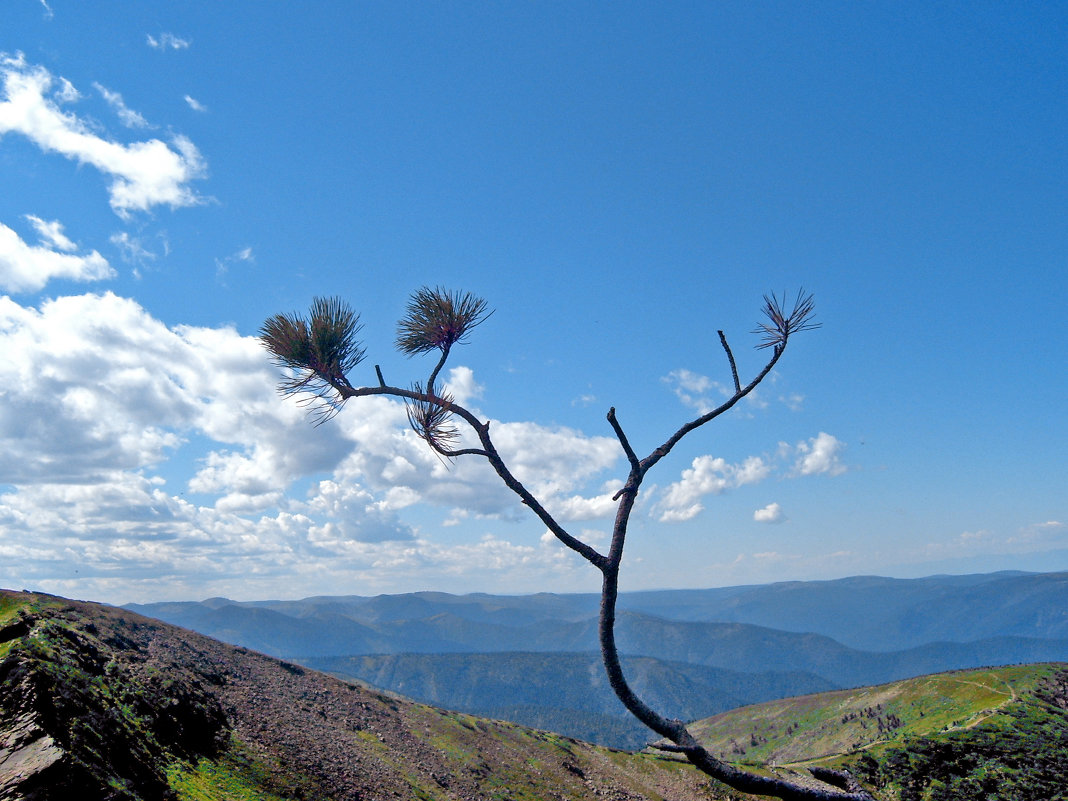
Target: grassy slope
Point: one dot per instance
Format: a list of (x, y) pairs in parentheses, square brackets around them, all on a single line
[(990, 734), (812, 727)]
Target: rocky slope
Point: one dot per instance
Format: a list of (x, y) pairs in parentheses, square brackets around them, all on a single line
[(101, 703)]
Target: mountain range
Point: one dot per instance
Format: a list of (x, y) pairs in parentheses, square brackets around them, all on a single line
[(102, 704), (534, 659)]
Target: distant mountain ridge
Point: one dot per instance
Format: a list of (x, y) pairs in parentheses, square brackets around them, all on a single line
[(864, 612), (799, 633)]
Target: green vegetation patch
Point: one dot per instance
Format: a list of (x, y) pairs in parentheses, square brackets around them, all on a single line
[(1019, 754), (235, 775), (9, 605), (817, 727)]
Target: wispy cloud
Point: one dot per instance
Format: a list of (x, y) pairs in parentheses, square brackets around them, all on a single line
[(127, 116), (222, 266), (133, 251), (696, 391), (166, 41), (143, 174), (51, 233), (194, 104)]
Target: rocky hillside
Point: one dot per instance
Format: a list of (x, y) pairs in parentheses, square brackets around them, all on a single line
[(101, 703)]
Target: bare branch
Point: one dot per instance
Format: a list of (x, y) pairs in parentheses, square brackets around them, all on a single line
[(319, 352), (775, 335), (632, 457), (673, 440), (730, 358)]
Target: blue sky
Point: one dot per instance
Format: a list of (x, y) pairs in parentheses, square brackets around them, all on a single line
[(619, 181)]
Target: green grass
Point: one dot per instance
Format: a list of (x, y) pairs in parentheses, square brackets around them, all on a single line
[(9, 605), (996, 734), (815, 727), (236, 775)]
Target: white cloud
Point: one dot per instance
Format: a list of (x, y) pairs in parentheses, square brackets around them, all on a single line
[(820, 455), (194, 104), (354, 515), (127, 116), (707, 475), (576, 507), (695, 390), (131, 249), (66, 93), (462, 386), (1048, 534), (166, 41), (555, 463), (772, 513), (222, 266), (27, 268), (102, 407), (143, 174)]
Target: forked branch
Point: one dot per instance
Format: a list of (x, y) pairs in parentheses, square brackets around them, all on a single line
[(318, 353)]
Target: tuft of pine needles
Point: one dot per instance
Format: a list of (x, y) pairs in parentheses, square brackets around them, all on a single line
[(437, 319), (431, 420), (781, 324), (318, 351)]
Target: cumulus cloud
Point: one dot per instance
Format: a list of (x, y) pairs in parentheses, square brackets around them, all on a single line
[(143, 174), (166, 41), (93, 383), (772, 513), (555, 463), (707, 475), (462, 386), (819, 455), (713, 475), (354, 514), (104, 408), (27, 268)]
